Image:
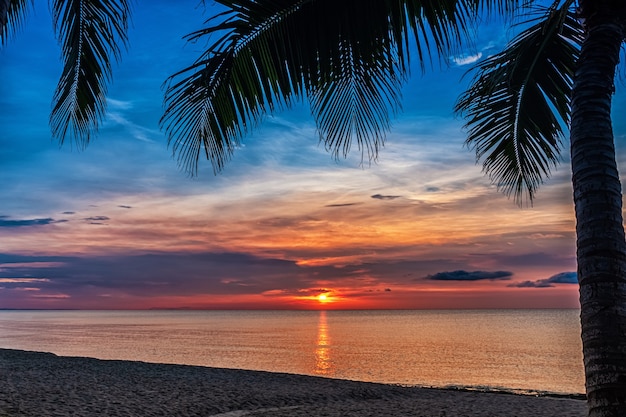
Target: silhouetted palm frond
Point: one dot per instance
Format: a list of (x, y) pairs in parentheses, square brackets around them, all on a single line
[(518, 105), (349, 58), (90, 33), (11, 15), (354, 102)]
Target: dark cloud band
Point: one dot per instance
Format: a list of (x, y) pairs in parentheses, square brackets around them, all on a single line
[(470, 276), (29, 222), (385, 197), (561, 278)]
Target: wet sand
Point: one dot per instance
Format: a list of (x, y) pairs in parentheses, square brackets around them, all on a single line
[(43, 384)]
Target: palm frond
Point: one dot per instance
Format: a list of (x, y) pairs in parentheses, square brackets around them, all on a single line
[(241, 75), (439, 27), (354, 85), (506, 8), (12, 13), (517, 107), (434, 26), (263, 55), (355, 103), (91, 33)]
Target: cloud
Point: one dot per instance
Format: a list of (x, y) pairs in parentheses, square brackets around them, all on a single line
[(341, 205), (116, 116), (124, 206), (470, 276), (550, 259), (385, 197), (466, 59), (22, 280), (561, 278), (538, 236), (29, 222), (179, 274), (119, 104), (97, 219)]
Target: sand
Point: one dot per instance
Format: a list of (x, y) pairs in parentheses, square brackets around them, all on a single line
[(42, 384)]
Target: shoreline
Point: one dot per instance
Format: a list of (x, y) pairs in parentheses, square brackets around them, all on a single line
[(44, 384), (502, 391)]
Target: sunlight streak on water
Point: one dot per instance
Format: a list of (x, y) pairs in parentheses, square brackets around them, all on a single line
[(323, 362)]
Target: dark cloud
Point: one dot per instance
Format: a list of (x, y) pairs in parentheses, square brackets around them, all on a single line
[(97, 219), (470, 276), (29, 222), (313, 292), (9, 258), (88, 278), (561, 278), (158, 273), (432, 189), (69, 212), (126, 207), (341, 205), (564, 278), (216, 273), (287, 222), (382, 271), (386, 197)]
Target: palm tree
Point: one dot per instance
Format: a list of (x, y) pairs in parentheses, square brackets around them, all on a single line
[(92, 34), (349, 59), (563, 71)]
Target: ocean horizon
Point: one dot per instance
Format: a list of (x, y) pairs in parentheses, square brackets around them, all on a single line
[(523, 351)]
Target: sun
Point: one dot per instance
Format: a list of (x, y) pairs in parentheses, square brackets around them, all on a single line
[(323, 298)]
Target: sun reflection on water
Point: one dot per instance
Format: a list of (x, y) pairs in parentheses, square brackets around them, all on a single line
[(323, 361)]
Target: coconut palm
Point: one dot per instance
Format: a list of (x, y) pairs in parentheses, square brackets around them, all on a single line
[(92, 34), (561, 70), (349, 58)]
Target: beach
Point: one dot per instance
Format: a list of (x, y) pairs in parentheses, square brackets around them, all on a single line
[(43, 384)]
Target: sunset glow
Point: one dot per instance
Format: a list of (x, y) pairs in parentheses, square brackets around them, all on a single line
[(284, 226)]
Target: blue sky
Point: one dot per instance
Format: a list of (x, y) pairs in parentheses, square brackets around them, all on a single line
[(119, 225)]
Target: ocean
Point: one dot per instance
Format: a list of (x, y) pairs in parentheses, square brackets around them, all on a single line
[(524, 351)]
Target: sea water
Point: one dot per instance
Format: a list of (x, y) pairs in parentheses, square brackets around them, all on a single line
[(515, 350)]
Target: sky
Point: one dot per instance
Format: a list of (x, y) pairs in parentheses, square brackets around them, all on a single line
[(121, 226)]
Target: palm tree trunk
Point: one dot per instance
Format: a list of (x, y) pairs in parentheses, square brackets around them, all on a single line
[(601, 247)]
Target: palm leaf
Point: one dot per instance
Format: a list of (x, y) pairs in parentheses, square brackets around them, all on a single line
[(354, 102), (348, 57), (517, 107), (506, 8), (11, 15), (90, 33), (211, 103)]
